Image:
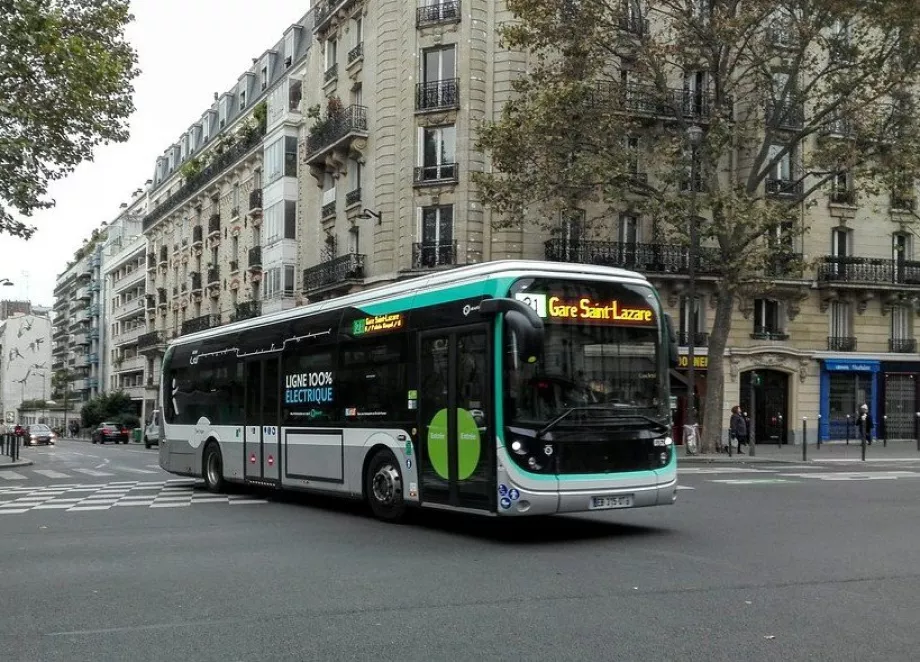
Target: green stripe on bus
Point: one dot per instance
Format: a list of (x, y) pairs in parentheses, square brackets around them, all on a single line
[(493, 287)]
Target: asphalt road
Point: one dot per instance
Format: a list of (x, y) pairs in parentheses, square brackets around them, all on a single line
[(771, 563)]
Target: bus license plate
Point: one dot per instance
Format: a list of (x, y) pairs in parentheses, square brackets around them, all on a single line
[(607, 502)]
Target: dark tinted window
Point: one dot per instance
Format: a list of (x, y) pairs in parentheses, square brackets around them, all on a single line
[(372, 379)]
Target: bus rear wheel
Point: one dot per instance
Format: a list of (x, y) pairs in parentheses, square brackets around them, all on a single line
[(383, 486), (213, 468)]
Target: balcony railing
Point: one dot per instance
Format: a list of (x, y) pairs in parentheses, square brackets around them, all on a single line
[(438, 94), (445, 11), (255, 257), (344, 268), (356, 53), (151, 261), (879, 271), (161, 296), (783, 187), (213, 275), (196, 280), (634, 25), (353, 197), (331, 130), (197, 234), (327, 210), (429, 255), (214, 224), (164, 254), (247, 310), (784, 264), (440, 173), (903, 203), (198, 324), (644, 99), (766, 333), (837, 127), (150, 340), (841, 344), (902, 345), (843, 197), (331, 73), (700, 338), (227, 159), (646, 258), (255, 200), (785, 115)]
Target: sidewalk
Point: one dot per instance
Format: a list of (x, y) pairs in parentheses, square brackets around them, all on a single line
[(836, 451), (6, 464)]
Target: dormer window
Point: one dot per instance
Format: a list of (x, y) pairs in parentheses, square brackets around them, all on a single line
[(242, 99), (264, 74)]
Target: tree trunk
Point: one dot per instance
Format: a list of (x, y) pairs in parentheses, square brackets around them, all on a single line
[(715, 376)]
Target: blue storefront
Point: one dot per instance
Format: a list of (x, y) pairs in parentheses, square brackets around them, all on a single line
[(845, 385)]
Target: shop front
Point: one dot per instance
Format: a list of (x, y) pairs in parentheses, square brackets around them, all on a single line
[(899, 400), (845, 385), (680, 392)]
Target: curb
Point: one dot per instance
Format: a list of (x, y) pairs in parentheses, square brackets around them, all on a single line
[(735, 460), (16, 464)]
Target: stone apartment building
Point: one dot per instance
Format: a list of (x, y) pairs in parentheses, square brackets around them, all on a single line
[(222, 226), (25, 362), (401, 87), (125, 278)]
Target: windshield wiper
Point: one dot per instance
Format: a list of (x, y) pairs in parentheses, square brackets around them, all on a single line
[(611, 411)]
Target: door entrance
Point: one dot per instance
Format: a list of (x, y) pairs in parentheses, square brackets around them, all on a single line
[(771, 409), (261, 438), (900, 406), (456, 435)]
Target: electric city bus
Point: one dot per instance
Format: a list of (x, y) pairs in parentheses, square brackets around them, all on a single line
[(504, 388)]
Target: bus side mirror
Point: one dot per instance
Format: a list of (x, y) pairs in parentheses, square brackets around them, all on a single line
[(672, 341), (523, 321)]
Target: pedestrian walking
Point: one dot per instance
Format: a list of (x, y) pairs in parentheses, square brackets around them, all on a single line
[(865, 423), (737, 428)]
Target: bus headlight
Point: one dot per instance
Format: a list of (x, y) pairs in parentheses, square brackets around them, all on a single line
[(518, 447)]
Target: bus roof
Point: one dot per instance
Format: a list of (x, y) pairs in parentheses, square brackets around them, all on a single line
[(426, 282)]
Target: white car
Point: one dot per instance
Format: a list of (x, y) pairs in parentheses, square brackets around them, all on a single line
[(152, 431)]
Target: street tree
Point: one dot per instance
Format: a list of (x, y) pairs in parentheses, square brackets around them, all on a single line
[(736, 113), (66, 75)]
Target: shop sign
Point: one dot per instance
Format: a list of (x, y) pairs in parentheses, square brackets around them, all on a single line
[(699, 362)]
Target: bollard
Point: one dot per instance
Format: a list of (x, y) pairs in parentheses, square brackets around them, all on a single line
[(779, 437), (848, 429), (917, 430), (885, 431), (818, 442), (804, 439), (862, 436)]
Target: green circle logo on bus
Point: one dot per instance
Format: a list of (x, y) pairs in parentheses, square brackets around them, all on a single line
[(468, 446)]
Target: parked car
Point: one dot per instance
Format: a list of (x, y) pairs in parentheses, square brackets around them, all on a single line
[(109, 431), (39, 434), (152, 431)]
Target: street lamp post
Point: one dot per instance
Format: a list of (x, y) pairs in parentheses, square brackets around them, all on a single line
[(695, 138)]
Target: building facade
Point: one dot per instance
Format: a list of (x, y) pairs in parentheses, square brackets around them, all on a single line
[(25, 362), (125, 279)]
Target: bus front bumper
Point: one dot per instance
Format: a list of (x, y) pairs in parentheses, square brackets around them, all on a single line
[(521, 501)]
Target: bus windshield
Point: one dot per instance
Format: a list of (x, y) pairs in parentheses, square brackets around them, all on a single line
[(602, 354)]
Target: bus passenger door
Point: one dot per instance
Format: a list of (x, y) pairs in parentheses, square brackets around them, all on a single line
[(456, 430), (261, 435)]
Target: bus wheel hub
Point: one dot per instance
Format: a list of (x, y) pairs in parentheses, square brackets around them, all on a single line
[(387, 484)]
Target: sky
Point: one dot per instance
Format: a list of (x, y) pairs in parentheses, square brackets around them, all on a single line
[(187, 50)]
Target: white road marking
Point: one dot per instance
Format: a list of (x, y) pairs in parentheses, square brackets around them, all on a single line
[(135, 471), (171, 505), (752, 481), (685, 487), (4, 511), (93, 472), (720, 470), (51, 473), (11, 475)]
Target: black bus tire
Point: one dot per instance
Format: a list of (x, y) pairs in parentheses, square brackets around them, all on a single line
[(383, 487), (212, 468)]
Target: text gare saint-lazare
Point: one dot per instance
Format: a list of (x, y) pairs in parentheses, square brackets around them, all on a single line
[(587, 309), (308, 388)]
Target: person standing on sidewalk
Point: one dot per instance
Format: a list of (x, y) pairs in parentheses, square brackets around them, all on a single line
[(865, 423), (737, 428)]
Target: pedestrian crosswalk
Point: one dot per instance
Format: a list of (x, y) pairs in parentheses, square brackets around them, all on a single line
[(76, 497), (8, 476)]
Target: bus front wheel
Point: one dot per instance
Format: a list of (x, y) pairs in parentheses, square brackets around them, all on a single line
[(213, 468), (384, 487)]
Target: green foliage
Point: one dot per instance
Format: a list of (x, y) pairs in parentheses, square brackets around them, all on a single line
[(191, 168), (33, 404), (335, 112), (260, 115), (114, 407), (794, 93), (66, 75)]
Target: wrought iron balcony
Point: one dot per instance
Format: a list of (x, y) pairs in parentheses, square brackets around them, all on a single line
[(646, 258), (903, 203), (441, 173), (766, 333), (634, 25), (199, 324), (328, 210), (340, 270), (197, 234), (644, 99), (151, 261), (700, 338), (429, 255), (255, 257), (842, 196), (902, 345), (353, 197), (227, 159), (151, 340), (151, 300), (255, 200), (787, 115), (328, 132), (196, 280), (356, 53), (838, 128), (247, 310), (213, 275), (784, 264), (841, 344), (234, 266), (438, 94), (868, 270), (214, 224), (161, 296), (164, 254), (783, 187), (331, 73), (445, 11)]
